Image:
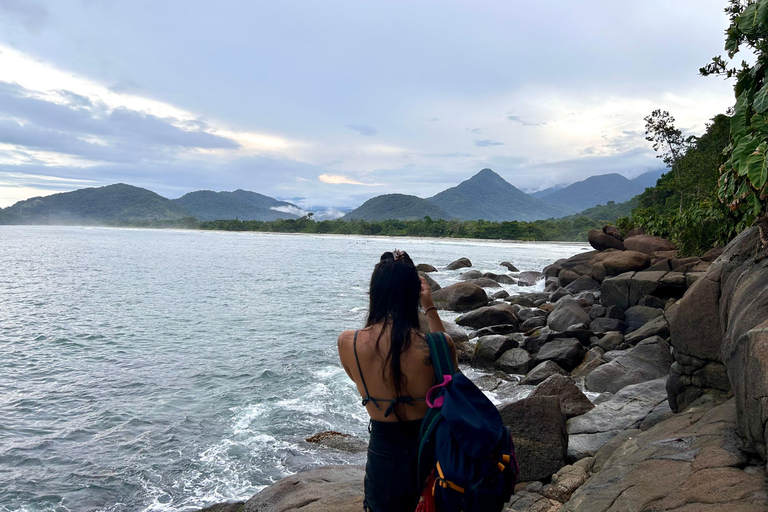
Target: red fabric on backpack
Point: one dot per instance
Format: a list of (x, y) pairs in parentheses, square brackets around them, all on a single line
[(427, 499)]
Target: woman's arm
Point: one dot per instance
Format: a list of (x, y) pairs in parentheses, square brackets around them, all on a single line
[(433, 319)]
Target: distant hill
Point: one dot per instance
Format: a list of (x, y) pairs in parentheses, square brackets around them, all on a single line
[(649, 178), (240, 204), (546, 191), (396, 207), (110, 204), (486, 195), (597, 190)]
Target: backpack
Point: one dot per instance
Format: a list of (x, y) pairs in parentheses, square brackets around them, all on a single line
[(475, 468)]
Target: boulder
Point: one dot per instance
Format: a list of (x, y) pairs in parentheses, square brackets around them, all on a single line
[(542, 372), (582, 284), (501, 294), (337, 488), (613, 231), (470, 274), (459, 263), (509, 266), (649, 360), (433, 286), (635, 232), (656, 327), (566, 277), (516, 361), (533, 323), (572, 401), (601, 241), (626, 409), (593, 359), (339, 441), (603, 325), (637, 316), (460, 297), (566, 313), (484, 282), (617, 263), (538, 428), (566, 352), (423, 267), (521, 300), (499, 314), (497, 329), (499, 278), (489, 348), (648, 244), (457, 334), (559, 294), (610, 341), (529, 278)]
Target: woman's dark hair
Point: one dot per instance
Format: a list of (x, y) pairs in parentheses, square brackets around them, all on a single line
[(394, 301)]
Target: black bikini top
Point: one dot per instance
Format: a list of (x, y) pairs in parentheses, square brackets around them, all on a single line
[(407, 400)]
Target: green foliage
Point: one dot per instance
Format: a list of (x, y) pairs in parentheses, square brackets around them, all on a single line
[(396, 206), (743, 184)]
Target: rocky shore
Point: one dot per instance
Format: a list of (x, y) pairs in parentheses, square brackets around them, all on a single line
[(636, 381)]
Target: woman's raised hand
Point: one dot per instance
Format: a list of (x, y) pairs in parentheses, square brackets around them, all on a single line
[(425, 295)]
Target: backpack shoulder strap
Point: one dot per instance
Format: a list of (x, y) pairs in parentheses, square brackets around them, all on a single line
[(441, 355)]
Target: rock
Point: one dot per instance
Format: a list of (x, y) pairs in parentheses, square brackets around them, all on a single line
[(339, 441), (235, 506), (648, 244), (613, 231), (459, 263), (635, 232), (566, 313), (484, 282), (521, 300), (567, 480), (713, 254), (509, 266), (423, 267), (529, 278), (653, 302), (533, 323), (460, 297), (566, 276), (593, 359), (433, 286), (500, 314), (566, 352), (337, 488), (499, 278), (611, 340), (626, 409), (489, 348), (516, 361), (617, 263), (457, 334), (649, 360), (487, 382), (584, 283), (656, 327), (604, 325), (601, 241), (496, 329), (525, 501), (614, 312), (690, 462), (501, 294), (470, 274), (597, 311), (637, 316), (572, 401), (559, 294), (538, 428), (542, 372)]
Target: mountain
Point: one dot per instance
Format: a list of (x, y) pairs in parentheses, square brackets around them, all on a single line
[(110, 204), (486, 195), (600, 189), (240, 204), (546, 191), (397, 207)]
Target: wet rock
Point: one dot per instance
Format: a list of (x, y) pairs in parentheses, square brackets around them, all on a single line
[(521, 300), (529, 278), (484, 282), (509, 266), (497, 329), (457, 334), (460, 297), (337, 488), (459, 263), (559, 294), (502, 294), (423, 267), (567, 353), (499, 278), (572, 401), (538, 428), (235, 506), (489, 348), (649, 360), (470, 274), (339, 441), (433, 286), (542, 372), (566, 313), (499, 314), (566, 276), (515, 361)]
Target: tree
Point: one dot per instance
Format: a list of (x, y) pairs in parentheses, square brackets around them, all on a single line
[(743, 183), (669, 142)]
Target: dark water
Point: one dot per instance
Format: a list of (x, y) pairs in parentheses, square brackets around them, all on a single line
[(168, 370)]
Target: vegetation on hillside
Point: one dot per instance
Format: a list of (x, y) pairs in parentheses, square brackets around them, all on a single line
[(397, 207)]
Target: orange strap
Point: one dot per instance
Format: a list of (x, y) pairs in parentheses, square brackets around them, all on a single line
[(445, 483)]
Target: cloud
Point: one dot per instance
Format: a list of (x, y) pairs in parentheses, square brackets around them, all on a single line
[(487, 142), (363, 129), (293, 210), (338, 179), (32, 14), (518, 119), (477, 131)]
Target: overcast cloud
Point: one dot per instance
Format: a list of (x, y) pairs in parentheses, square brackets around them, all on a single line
[(330, 103)]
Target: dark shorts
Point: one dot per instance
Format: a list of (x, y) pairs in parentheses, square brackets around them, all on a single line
[(391, 483)]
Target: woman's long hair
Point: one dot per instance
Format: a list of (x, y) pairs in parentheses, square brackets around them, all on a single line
[(394, 302)]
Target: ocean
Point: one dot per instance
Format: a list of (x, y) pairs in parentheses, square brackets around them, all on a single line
[(159, 370)]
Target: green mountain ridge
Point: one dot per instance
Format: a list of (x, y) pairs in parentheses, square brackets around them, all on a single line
[(396, 207), (240, 204)]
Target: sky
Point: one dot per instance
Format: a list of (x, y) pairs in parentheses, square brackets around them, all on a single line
[(330, 103)]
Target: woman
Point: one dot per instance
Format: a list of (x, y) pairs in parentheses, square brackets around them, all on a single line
[(389, 362)]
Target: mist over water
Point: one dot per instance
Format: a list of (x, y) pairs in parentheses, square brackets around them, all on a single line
[(169, 370)]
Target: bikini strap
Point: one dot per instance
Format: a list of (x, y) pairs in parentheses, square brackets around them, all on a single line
[(362, 379)]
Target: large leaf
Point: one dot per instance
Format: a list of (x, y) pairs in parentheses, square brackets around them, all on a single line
[(760, 104), (748, 20), (759, 125), (762, 12), (739, 126), (757, 168), (744, 148)]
